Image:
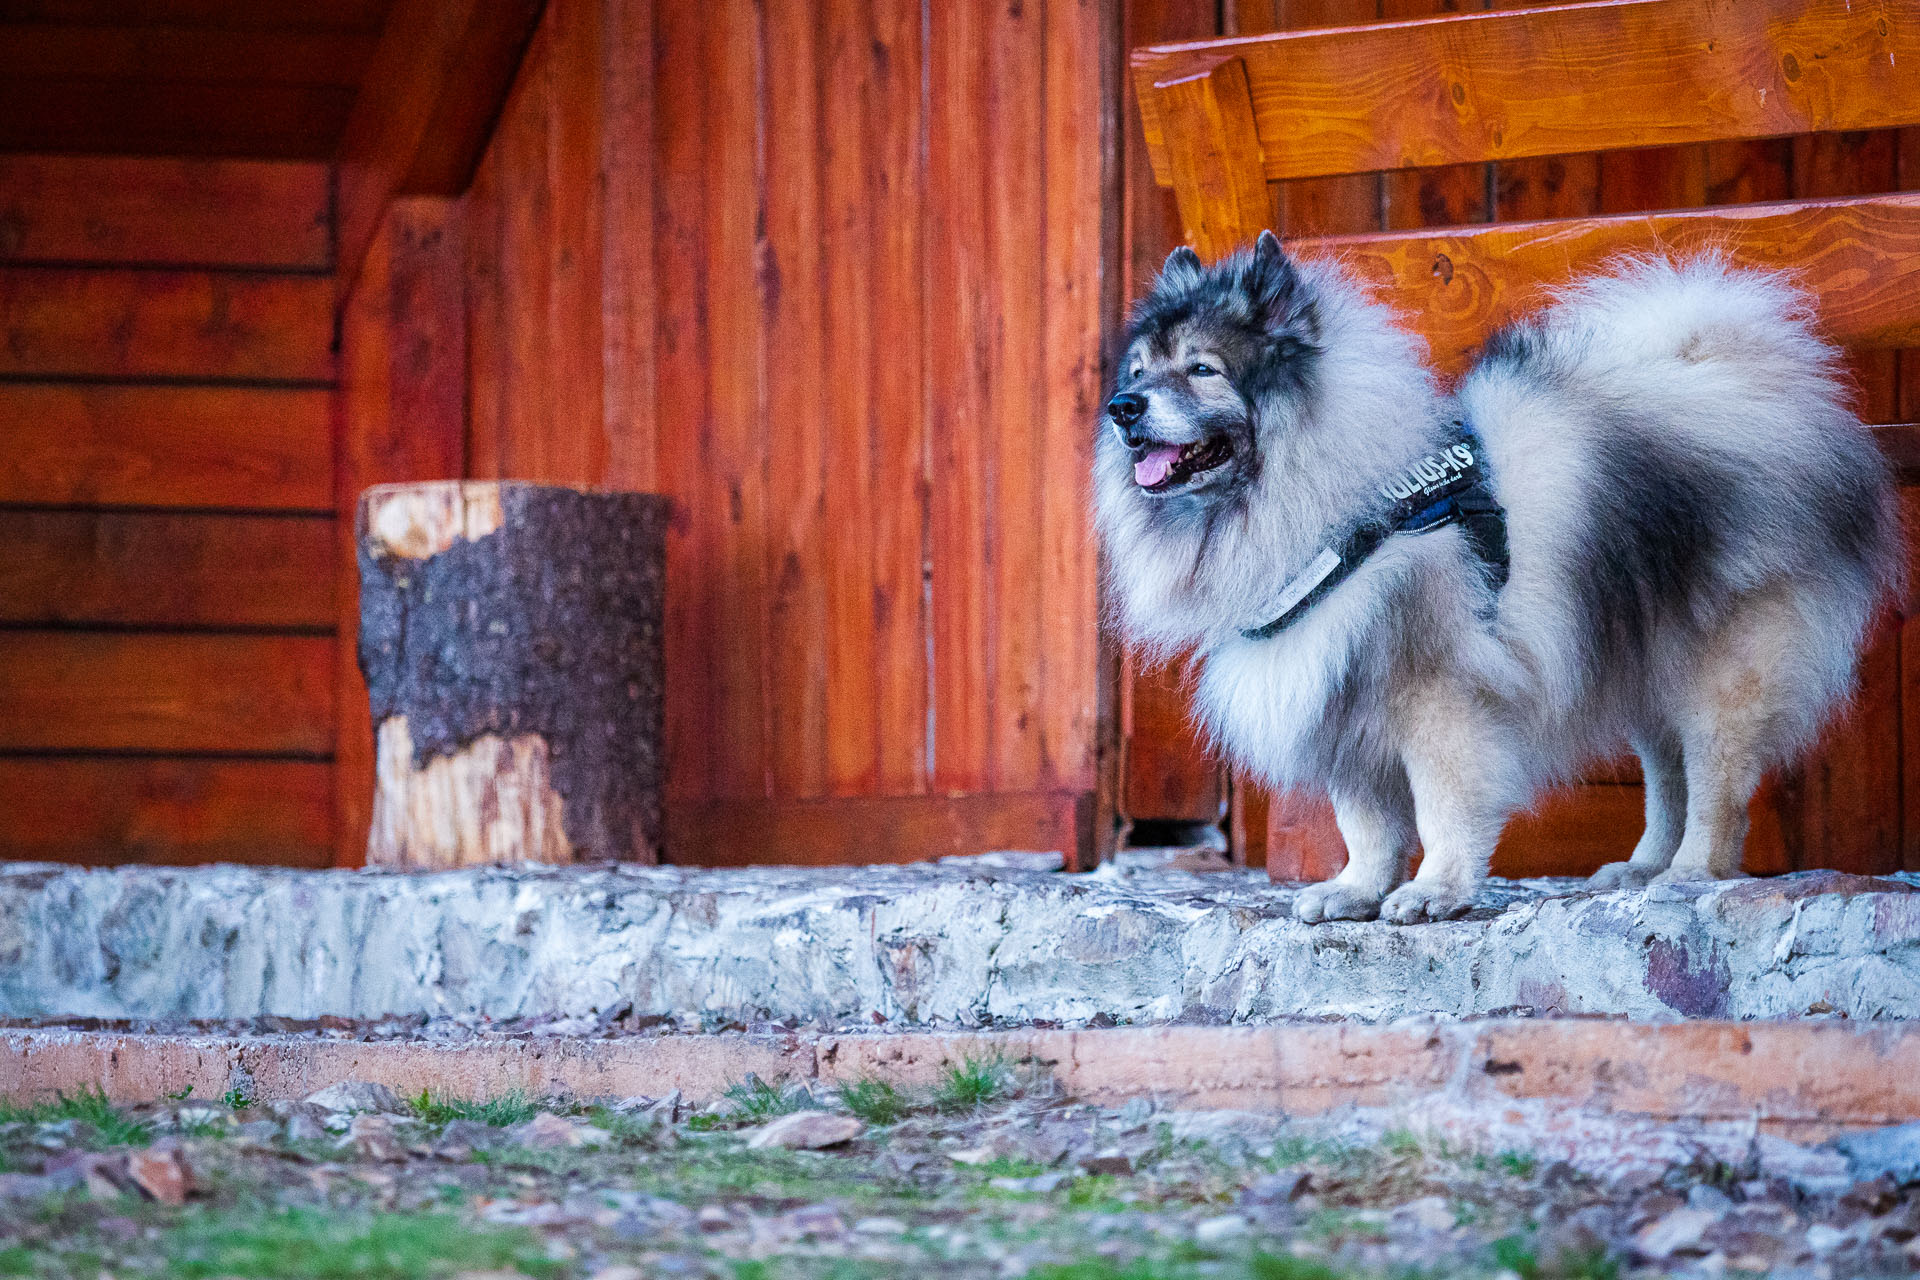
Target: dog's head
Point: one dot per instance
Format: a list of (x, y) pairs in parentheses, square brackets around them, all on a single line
[(1207, 351)]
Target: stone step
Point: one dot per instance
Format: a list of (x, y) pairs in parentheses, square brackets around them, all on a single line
[(924, 945)]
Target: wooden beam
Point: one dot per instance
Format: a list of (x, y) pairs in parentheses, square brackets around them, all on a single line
[(1211, 152), (235, 448), (1555, 80), (425, 110), (164, 324), (131, 211), (166, 693), (105, 812), (129, 569), (1859, 257)]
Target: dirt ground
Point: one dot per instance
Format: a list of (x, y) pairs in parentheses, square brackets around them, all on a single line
[(986, 1175)]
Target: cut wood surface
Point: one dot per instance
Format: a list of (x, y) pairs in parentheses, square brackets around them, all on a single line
[(143, 569), (1860, 257), (228, 447), (510, 640), (119, 209), (224, 694), (1556, 80), (185, 324), (110, 811)]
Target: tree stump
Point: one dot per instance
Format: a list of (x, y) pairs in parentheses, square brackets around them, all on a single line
[(510, 637)]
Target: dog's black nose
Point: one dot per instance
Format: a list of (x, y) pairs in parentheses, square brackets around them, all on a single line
[(1126, 409)]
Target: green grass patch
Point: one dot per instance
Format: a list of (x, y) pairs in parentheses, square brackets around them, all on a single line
[(875, 1101), (750, 1101), (503, 1112), (302, 1244), (1517, 1164), (970, 1084), (625, 1129), (111, 1126)]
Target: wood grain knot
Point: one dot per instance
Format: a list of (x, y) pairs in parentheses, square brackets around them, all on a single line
[(1790, 66), (1443, 268)]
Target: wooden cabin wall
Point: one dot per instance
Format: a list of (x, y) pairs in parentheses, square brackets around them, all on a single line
[(167, 610), (838, 279), (1855, 805)]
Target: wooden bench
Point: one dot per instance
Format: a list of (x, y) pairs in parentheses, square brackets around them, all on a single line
[(1225, 118)]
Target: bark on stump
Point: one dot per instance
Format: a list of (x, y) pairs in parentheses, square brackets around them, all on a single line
[(510, 637)]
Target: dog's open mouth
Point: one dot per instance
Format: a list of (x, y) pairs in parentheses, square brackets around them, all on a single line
[(1160, 467)]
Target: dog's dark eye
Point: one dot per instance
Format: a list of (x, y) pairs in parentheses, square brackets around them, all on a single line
[(1135, 375), (1203, 371)]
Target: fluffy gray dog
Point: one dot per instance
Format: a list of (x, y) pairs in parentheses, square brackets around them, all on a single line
[(1646, 517)]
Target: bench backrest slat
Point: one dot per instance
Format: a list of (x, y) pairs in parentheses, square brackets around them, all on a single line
[(1552, 81), (1860, 256)]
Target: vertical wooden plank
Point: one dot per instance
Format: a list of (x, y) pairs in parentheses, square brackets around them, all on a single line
[(735, 500), (1443, 197), (1546, 186), (1210, 144), (852, 347), (1079, 209), (402, 416), (1301, 841), (797, 301), (1849, 810), (1849, 164), (1016, 219), (1316, 206), (526, 232), (576, 446), (896, 188), (626, 245), (1164, 770), (959, 374), (681, 407), (488, 385), (1909, 691)]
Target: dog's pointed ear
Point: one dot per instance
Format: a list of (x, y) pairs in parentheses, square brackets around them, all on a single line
[(1182, 268), (1267, 252), (1273, 282)]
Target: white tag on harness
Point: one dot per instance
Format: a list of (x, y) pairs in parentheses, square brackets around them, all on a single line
[(1312, 576)]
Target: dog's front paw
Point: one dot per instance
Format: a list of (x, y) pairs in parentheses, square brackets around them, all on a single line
[(1621, 875), (1417, 902), (1335, 901)]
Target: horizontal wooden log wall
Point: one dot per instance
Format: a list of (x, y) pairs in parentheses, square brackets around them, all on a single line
[(1856, 804), (167, 610), (831, 276)]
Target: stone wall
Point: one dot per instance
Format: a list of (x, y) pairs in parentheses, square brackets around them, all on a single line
[(924, 945)]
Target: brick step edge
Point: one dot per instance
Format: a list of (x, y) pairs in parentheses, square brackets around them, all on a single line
[(1801, 1079)]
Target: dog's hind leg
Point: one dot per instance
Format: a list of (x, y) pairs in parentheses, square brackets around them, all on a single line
[(1663, 768), (1750, 697), (1377, 824)]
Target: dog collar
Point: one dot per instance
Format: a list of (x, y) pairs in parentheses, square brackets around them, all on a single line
[(1449, 486)]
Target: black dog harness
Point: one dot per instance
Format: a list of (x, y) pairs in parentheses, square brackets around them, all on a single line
[(1451, 486)]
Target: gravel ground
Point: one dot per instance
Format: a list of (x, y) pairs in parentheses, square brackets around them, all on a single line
[(982, 1176)]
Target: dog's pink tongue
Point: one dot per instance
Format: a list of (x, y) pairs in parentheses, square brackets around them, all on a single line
[(1153, 468)]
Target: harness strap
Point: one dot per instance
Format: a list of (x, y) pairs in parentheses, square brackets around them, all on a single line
[(1451, 486)]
